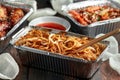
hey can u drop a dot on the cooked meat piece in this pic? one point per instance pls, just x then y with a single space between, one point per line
4 25
3 13
2 33
16 15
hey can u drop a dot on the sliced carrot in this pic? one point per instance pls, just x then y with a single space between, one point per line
82 21
77 16
73 12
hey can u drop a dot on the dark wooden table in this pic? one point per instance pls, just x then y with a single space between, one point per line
27 73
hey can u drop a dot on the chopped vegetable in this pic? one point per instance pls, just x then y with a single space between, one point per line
91 14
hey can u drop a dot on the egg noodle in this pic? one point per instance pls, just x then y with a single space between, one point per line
60 43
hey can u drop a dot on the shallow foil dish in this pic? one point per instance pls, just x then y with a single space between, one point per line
54 62
28 11
95 28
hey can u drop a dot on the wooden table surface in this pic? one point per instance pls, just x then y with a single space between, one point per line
27 73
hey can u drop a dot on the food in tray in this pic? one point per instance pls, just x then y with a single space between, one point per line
52 25
8 18
60 43
91 14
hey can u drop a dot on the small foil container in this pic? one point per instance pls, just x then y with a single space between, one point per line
54 62
4 41
95 28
